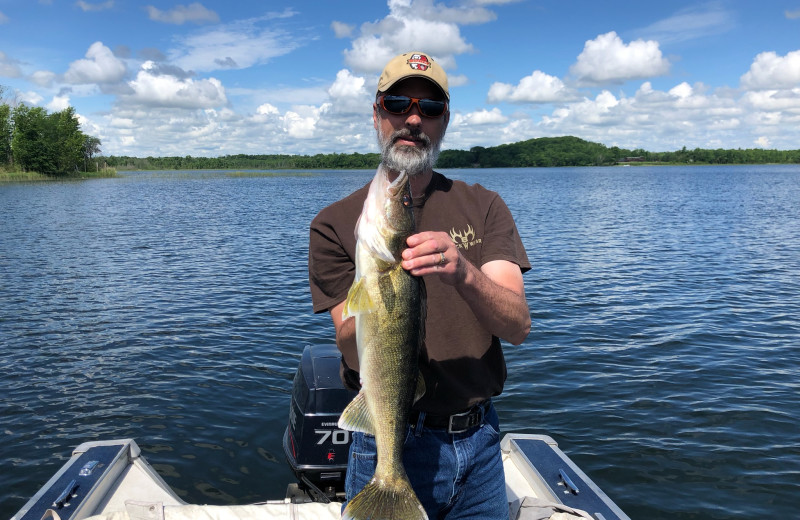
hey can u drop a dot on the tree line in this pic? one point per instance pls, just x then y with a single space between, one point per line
573 151
31 139
540 152
333 161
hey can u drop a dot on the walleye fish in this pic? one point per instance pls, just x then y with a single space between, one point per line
389 306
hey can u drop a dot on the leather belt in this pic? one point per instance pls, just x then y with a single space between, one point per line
456 423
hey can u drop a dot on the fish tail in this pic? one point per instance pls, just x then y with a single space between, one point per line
381 500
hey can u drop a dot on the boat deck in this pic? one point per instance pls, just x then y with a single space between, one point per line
110 480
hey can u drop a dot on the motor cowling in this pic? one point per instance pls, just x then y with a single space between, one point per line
315 447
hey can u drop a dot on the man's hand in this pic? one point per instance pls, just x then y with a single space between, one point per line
495 292
433 252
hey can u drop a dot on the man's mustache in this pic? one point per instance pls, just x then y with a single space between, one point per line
405 133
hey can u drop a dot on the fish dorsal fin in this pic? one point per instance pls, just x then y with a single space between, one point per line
356 417
358 300
420 388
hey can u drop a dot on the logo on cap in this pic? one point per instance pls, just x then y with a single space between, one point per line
419 62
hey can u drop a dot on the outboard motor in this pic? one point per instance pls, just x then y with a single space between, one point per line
315 447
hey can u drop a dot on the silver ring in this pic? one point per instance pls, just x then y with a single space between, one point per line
442 259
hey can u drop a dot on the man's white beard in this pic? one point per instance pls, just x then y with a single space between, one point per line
413 159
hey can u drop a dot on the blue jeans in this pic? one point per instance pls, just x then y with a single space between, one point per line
455 476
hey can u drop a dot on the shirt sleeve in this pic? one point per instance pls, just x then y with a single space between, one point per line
331 269
501 239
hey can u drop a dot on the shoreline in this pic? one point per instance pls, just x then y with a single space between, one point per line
41 177
110 173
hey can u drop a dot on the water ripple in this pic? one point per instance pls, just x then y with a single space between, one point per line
173 308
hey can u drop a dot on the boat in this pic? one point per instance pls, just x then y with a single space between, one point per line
112 480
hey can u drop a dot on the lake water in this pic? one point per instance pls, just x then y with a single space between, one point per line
172 307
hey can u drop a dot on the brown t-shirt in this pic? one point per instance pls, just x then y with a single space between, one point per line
462 364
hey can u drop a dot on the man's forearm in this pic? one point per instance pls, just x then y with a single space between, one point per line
501 310
345 336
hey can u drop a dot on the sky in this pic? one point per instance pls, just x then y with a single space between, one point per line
213 78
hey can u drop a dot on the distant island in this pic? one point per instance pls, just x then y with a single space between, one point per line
540 152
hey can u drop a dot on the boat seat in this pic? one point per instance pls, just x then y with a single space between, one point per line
277 510
532 508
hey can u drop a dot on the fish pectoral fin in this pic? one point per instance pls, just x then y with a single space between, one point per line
356 417
358 300
420 387
371 238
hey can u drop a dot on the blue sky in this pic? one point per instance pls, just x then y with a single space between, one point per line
212 78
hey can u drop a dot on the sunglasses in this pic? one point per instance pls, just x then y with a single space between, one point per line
401 104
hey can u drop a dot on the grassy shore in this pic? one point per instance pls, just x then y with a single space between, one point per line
35 177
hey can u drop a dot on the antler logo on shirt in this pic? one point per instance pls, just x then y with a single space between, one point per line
464 239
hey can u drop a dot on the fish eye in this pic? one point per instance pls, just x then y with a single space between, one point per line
406 200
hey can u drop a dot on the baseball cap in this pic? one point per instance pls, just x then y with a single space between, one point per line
412 65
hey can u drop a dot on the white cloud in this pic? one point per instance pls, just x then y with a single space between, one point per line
683 90
693 22
457 80
481 117
536 88
86 6
434 29
468 13
237 45
100 66
43 78
494 2
122 123
180 14
347 85
598 111
3 18
302 124
9 67
792 15
58 103
29 98
348 94
164 90
342 30
765 120
368 53
774 100
684 115
267 110
607 59
88 126
770 71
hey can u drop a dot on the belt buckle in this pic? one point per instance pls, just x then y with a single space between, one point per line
474 417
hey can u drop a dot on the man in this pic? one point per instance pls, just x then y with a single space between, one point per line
470 254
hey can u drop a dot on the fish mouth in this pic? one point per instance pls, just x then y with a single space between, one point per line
397 185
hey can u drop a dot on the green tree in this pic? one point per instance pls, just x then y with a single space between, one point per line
5 130
52 144
31 145
67 140
91 147
5 134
